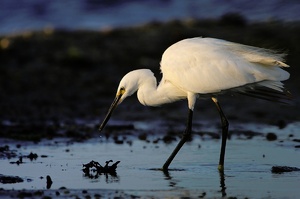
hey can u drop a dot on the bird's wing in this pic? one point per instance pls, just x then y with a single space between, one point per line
206 65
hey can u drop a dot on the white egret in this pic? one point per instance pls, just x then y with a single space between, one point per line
197 67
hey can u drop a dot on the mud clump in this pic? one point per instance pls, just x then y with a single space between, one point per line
4 179
283 169
48 182
271 136
31 157
93 169
6 152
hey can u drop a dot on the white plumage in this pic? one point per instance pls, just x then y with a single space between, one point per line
206 67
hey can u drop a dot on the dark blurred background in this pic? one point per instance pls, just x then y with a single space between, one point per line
27 15
61 61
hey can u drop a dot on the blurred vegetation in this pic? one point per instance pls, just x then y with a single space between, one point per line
55 75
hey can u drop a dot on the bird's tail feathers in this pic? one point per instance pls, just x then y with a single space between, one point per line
275 85
268 90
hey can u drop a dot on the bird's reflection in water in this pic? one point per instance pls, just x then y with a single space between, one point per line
222 183
174 183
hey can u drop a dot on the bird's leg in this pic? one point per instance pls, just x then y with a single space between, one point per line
225 125
186 135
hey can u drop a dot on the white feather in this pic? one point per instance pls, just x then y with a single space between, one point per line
206 65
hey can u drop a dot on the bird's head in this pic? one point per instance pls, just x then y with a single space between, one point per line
127 86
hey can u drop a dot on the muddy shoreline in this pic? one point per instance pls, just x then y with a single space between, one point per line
50 77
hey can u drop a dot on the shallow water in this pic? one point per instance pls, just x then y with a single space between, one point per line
193 172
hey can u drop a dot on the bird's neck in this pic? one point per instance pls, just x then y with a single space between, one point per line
149 94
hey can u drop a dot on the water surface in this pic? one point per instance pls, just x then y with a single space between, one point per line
193 172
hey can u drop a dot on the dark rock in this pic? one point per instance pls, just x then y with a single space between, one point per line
271 136
282 169
10 179
48 182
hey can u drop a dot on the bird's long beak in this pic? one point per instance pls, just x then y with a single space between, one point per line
110 110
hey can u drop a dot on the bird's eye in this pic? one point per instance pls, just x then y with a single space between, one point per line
122 90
